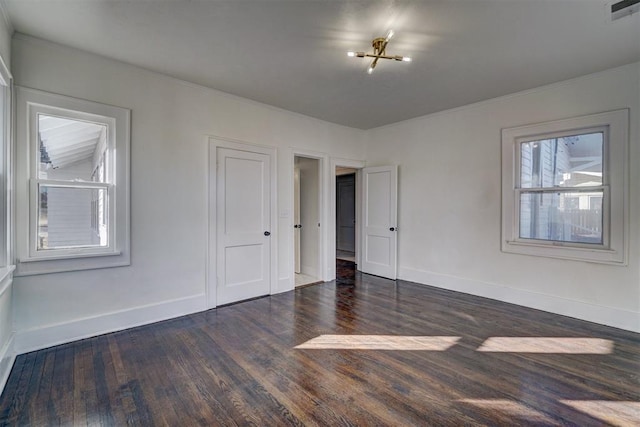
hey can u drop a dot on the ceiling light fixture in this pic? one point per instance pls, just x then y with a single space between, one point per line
379 52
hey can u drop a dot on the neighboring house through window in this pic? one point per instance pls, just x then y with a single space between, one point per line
564 187
74 156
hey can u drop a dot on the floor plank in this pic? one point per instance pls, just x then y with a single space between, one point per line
239 365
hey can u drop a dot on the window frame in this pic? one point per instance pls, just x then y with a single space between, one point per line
31 260
63 252
6 172
614 187
604 187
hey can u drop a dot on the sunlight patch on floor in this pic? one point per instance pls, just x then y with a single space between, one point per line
613 412
559 345
379 342
512 409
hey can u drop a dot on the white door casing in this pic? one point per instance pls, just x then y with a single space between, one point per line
379 221
243 225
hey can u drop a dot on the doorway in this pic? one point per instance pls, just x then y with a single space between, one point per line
307 220
346 214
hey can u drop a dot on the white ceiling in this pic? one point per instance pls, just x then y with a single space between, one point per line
292 54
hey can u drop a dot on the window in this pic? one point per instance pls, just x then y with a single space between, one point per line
560 178
73 160
564 187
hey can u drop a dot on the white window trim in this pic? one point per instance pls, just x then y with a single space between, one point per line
615 184
6 175
30 103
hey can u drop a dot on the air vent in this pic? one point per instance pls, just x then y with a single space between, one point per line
624 8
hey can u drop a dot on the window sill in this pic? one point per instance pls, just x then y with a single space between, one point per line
67 263
70 256
585 254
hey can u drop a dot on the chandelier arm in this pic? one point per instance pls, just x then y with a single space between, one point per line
371 55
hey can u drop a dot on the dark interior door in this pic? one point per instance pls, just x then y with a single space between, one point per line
346 212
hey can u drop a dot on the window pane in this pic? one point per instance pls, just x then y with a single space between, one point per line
564 217
72 217
71 149
569 161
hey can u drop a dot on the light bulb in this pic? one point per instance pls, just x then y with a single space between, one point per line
389 35
370 70
351 54
406 59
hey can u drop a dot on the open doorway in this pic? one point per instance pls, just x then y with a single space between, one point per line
307 214
346 214
345 255
345 183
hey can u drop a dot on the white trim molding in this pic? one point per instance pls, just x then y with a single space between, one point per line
7 359
609 316
7 353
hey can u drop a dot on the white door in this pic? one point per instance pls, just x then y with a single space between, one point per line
243 225
379 216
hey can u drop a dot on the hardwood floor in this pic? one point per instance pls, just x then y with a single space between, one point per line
455 359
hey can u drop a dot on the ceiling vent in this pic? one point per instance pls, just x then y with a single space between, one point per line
624 8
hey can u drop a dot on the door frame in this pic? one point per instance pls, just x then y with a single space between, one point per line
323 165
211 278
331 223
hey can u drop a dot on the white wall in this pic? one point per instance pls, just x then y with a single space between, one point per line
6 30
449 202
170 120
309 215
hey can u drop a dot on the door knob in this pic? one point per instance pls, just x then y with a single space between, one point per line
266 233
392 229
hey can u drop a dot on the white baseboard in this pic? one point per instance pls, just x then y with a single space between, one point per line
48 336
7 357
618 318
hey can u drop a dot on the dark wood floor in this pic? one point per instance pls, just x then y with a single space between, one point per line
238 365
